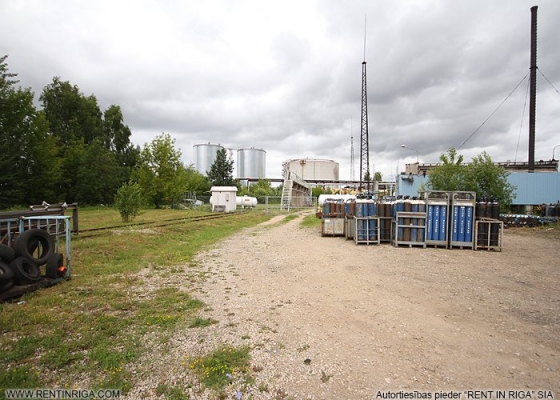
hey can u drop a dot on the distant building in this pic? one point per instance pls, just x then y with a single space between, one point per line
540 166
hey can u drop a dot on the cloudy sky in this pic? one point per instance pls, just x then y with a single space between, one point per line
285 76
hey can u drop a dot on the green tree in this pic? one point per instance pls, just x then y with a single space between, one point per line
72 117
160 172
317 191
128 201
221 171
262 188
450 176
489 180
116 135
97 177
27 169
44 168
196 182
481 176
378 177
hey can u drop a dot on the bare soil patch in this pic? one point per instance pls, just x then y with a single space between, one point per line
327 319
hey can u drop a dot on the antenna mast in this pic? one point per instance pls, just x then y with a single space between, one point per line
352 172
364 150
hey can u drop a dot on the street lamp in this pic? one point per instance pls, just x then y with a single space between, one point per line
404 146
558 145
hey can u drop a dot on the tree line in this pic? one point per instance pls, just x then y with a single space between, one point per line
70 150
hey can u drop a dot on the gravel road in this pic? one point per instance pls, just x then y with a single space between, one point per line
327 319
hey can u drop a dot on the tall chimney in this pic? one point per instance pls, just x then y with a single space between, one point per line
533 89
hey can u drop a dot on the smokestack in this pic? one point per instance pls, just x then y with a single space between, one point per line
533 89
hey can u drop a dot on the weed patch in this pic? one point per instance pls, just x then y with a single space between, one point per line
218 368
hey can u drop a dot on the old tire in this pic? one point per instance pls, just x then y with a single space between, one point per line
54 261
34 244
7 254
6 273
5 286
25 271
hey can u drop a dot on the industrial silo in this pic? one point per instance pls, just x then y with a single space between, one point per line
205 156
251 163
313 169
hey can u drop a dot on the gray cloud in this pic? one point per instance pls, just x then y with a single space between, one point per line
286 76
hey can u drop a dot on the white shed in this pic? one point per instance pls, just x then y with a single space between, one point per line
223 198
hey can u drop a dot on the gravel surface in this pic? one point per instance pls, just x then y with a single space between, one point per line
326 319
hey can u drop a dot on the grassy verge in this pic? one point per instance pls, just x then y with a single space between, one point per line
90 328
311 221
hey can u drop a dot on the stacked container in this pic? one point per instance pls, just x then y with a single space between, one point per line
367 222
332 223
409 223
349 221
384 213
437 219
462 219
488 227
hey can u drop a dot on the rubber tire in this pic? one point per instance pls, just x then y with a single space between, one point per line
6 273
28 242
7 254
25 271
55 260
6 286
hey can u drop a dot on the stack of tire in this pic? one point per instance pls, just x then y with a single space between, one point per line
21 264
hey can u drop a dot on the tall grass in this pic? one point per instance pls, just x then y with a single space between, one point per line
88 329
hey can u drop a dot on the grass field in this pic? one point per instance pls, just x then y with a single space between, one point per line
86 330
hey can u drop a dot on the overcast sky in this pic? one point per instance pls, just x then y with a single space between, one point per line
286 76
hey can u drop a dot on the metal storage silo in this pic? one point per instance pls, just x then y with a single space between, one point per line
251 163
205 156
314 169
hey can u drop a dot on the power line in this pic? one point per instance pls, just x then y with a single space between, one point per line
521 124
493 112
538 69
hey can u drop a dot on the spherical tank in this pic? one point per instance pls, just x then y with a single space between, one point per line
205 156
251 163
314 169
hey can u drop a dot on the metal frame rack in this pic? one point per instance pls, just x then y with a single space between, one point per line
385 228
349 227
367 230
490 238
461 232
437 220
413 222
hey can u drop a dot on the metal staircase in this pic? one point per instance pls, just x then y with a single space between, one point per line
287 193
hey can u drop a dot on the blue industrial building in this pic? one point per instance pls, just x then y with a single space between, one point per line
531 188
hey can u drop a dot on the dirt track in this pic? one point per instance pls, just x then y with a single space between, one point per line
376 318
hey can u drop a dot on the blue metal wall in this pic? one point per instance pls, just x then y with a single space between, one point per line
532 189
536 188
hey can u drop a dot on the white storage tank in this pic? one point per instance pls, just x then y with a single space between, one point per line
251 163
204 156
246 201
313 169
